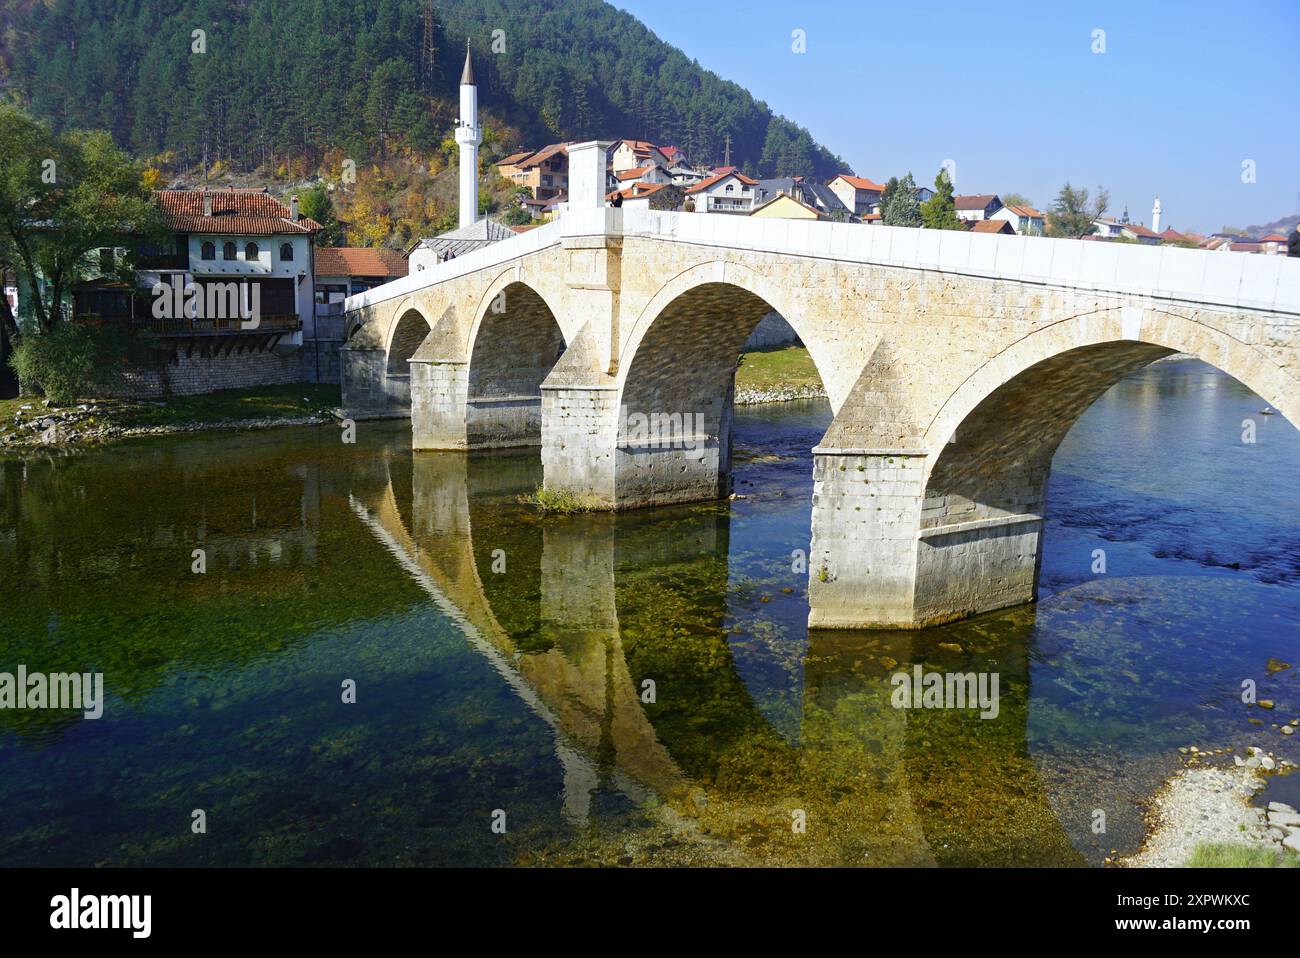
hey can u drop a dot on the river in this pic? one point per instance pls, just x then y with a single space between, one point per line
635 689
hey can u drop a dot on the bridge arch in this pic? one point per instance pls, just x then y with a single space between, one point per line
1116 331
405 337
990 446
514 343
745 279
677 384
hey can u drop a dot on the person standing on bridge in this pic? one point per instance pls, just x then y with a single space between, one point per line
1293 242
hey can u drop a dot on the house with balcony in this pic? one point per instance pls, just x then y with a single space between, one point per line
230 296
732 192
544 173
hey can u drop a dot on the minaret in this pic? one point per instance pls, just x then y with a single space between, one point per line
1155 216
468 136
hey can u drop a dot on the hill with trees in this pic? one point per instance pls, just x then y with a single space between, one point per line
252 84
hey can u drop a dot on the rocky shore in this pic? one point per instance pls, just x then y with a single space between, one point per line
751 397
1211 805
38 425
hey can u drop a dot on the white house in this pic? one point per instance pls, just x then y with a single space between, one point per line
1023 219
858 194
246 236
977 206
732 192
633 154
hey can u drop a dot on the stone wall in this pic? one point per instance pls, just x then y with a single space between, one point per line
195 374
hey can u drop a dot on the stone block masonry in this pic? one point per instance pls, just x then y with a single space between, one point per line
193 375
954 363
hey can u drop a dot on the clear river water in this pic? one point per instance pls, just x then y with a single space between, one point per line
636 689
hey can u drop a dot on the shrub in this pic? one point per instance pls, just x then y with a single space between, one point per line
75 361
563 502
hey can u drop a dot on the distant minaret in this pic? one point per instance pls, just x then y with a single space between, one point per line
468 136
1155 216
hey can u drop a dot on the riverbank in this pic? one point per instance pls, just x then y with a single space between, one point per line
1204 816
29 421
777 375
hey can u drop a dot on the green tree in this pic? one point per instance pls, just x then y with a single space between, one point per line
904 209
61 196
938 212
1015 199
1074 211
316 204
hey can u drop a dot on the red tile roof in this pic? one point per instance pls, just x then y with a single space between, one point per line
531 158
636 190
234 212
975 201
360 261
992 226
1274 238
718 177
633 174
860 183
1138 230
1028 211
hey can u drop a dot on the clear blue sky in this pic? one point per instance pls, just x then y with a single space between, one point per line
1012 92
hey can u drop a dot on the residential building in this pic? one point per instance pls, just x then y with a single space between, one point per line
1274 244
1138 232
785 206
976 206
244 236
643 174
426 253
857 194
1023 219
724 193
544 172
655 196
821 198
633 154
994 226
342 271
1106 228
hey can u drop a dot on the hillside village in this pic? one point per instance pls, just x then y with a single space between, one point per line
271 255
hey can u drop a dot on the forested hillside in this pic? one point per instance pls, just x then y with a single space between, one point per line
277 77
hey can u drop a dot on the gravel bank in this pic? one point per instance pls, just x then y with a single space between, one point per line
1211 805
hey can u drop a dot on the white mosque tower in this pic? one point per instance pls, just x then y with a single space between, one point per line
1155 216
469 137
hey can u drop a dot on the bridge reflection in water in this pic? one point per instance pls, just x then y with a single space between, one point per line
590 609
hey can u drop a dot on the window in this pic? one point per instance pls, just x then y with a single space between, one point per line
286 252
730 188
250 251
228 251
208 251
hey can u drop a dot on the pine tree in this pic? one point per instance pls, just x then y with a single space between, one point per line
904 208
938 212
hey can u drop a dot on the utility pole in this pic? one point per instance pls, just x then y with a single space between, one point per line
726 154
428 47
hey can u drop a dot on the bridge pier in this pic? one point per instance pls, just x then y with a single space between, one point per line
889 553
369 391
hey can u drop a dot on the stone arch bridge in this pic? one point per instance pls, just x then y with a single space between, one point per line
955 363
